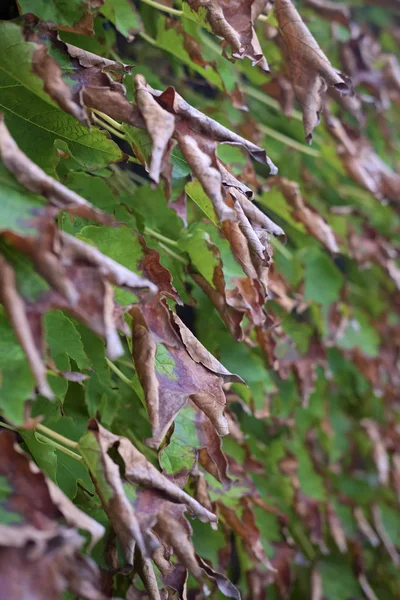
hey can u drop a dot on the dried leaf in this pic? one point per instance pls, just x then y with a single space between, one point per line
234 21
39 556
309 68
310 218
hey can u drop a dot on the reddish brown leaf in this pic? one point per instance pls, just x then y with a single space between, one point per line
309 68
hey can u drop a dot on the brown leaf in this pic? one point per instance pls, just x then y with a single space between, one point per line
365 527
186 371
92 84
35 180
223 583
281 89
245 527
234 21
154 513
310 218
316 585
197 136
38 555
381 457
372 248
336 528
159 124
364 165
309 68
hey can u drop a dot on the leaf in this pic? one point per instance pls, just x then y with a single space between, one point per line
323 281
133 511
74 16
364 165
123 15
16 378
176 37
312 221
66 282
197 136
34 507
309 68
233 21
194 439
192 372
36 123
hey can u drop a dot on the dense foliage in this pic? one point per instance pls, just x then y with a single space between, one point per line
199 341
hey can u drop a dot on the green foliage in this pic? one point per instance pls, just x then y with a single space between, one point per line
135 298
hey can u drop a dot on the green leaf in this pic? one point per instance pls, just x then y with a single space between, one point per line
36 124
197 194
122 14
323 281
63 338
71 14
122 245
16 379
18 206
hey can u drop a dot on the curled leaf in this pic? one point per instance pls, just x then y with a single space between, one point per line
309 68
234 21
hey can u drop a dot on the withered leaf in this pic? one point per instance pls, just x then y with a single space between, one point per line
309 68
310 218
234 21
174 367
81 79
364 165
197 136
79 277
143 505
39 556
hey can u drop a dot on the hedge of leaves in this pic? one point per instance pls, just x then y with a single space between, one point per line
199 319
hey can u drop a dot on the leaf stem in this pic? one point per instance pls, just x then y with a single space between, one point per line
119 373
108 127
125 363
133 159
7 426
160 237
173 254
48 440
167 9
281 137
63 449
109 119
148 38
57 436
